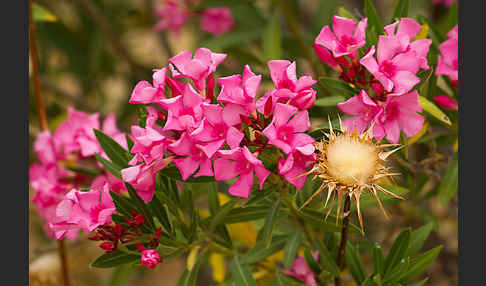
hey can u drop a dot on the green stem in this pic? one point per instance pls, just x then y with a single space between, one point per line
344 238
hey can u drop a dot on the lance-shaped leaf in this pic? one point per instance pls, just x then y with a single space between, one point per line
354 263
401 10
338 87
116 258
420 263
266 232
241 273
433 110
113 150
398 250
272 39
449 184
418 237
260 252
291 247
113 168
189 277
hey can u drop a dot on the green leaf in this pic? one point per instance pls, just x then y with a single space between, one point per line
418 237
367 200
266 232
401 10
398 250
396 272
291 247
242 214
108 260
374 27
109 166
325 258
345 13
316 219
219 217
260 251
41 14
377 256
332 100
173 173
160 213
311 262
354 263
189 277
282 279
113 150
233 38
419 283
420 263
337 87
241 273
123 204
272 39
449 184
121 274
433 110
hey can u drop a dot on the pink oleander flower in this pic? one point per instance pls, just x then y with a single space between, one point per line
142 177
218 123
173 16
446 102
198 69
76 133
405 30
240 91
150 258
198 156
217 21
292 167
107 180
448 61
347 38
241 163
288 89
146 93
184 112
398 58
149 143
83 210
300 270
49 190
46 150
389 117
285 132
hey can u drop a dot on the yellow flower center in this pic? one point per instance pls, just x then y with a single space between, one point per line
351 161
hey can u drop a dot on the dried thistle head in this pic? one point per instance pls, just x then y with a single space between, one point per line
348 164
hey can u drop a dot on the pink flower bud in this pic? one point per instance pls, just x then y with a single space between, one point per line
150 258
446 102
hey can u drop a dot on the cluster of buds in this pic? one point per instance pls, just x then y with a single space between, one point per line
114 234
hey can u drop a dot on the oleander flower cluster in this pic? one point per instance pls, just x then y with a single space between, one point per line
224 135
386 74
175 13
54 179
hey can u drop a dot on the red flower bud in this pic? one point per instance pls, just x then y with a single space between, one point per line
139 219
